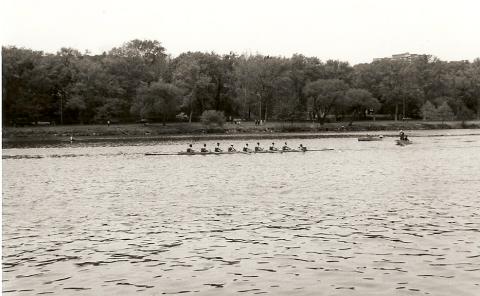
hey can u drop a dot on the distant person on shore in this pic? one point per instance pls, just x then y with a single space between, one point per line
204 148
108 122
218 149
190 149
273 148
258 148
285 147
302 148
231 149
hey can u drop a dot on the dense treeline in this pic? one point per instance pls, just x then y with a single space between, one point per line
139 80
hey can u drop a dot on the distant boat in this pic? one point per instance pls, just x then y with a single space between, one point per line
403 142
370 138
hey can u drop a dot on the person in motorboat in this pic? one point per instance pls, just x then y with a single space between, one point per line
204 148
285 147
246 149
273 148
302 148
231 149
190 149
258 148
218 149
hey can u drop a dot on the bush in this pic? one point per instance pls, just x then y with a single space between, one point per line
212 117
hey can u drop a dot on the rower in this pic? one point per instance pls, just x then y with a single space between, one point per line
273 148
231 149
246 149
302 148
402 135
285 147
218 149
190 149
204 148
258 148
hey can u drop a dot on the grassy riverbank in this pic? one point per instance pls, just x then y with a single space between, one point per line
171 129
197 130
157 129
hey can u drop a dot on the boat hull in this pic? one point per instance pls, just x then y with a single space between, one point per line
368 139
403 142
236 152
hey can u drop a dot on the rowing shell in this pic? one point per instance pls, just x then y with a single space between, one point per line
235 152
196 153
370 138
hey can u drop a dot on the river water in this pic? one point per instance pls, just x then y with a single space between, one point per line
368 218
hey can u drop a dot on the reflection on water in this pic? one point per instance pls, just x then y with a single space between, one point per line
369 218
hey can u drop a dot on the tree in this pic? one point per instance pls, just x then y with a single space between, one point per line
190 77
359 100
246 72
159 98
210 117
302 70
71 87
287 105
445 112
325 94
28 85
133 64
428 111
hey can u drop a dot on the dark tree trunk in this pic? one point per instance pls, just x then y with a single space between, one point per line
353 117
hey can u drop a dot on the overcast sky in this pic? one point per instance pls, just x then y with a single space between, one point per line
350 30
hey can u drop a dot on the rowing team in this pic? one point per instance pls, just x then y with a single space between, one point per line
246 148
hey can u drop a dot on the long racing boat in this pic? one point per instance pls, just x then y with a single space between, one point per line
233 152
369 138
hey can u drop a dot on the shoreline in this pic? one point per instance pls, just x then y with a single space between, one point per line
14 136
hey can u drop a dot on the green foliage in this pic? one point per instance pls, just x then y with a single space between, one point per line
212 117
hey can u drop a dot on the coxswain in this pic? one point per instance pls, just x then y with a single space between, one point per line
204 148
302 148
218 149
190 149
246 149
273 148
285 147
231 149
258 148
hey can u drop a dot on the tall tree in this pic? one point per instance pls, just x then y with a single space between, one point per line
358 101
156 99
325 94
